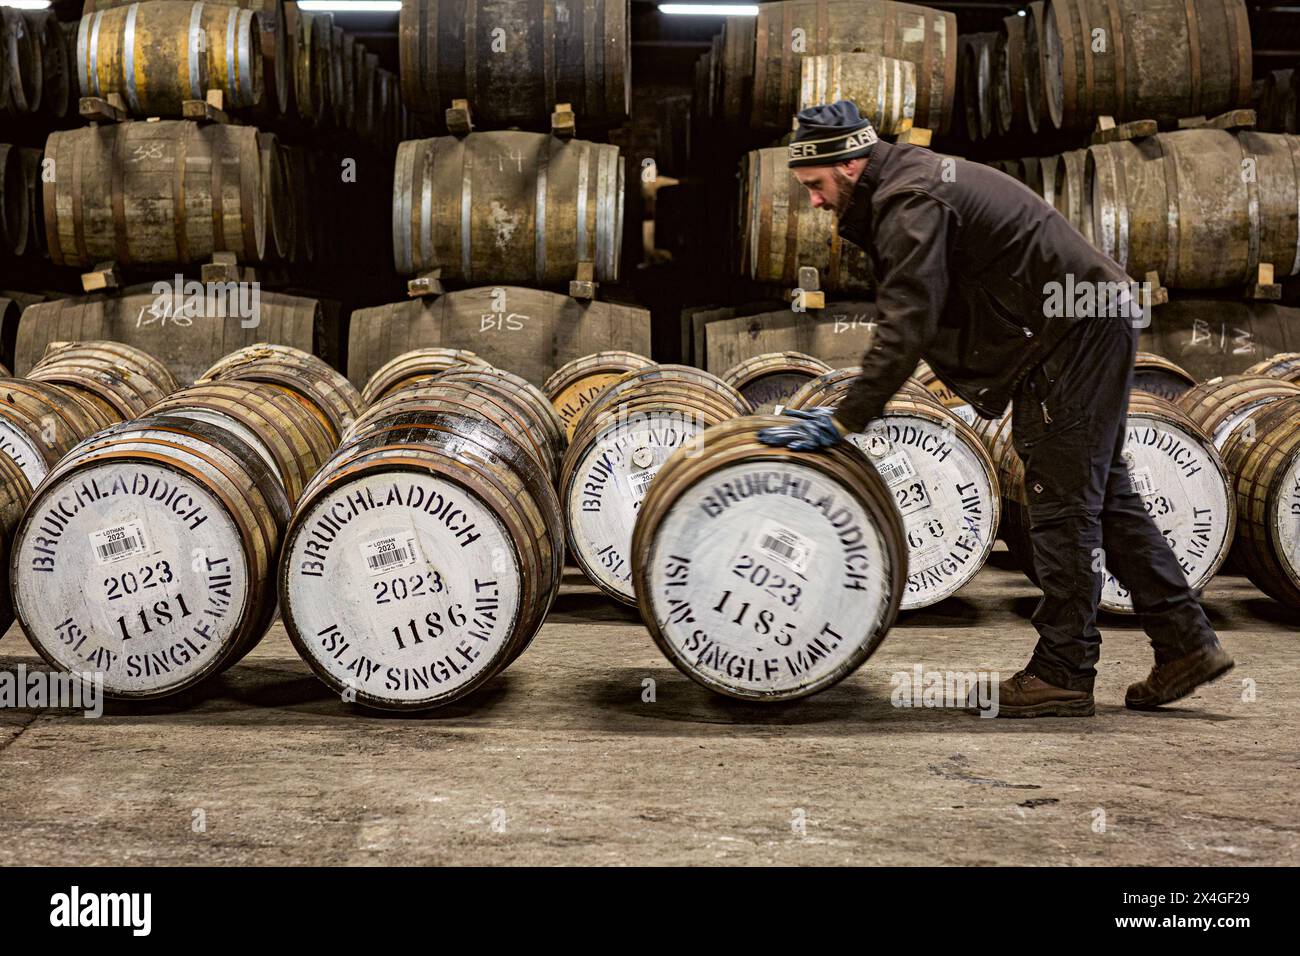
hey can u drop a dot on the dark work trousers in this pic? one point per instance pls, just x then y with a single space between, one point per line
1068 425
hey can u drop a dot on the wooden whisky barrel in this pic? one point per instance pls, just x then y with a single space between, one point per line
415 365
40 422
1264 461
1009 77
529 331
521 390
515 62
925 37
781 230
577 383
422 560
975 70
765 574
1213 337
1181 479
1072 194
15 493
1202 207
883 87
14 210
20 63
943 481
137 605
1160 376
829 389
154 193
772 379
1161 59
330 396
158 54
507 207
1222 404
280 428
615 453
1284 365
124 378
187 330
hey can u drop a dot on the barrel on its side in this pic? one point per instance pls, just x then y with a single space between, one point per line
40 422
772 379
883 87
507 207
123 379
529 331
1221 405
414 366
577 383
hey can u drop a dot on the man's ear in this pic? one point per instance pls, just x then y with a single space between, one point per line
853 167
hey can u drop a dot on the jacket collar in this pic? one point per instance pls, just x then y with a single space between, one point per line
855 221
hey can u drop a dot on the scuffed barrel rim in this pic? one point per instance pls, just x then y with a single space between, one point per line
237 641
838 463
363 468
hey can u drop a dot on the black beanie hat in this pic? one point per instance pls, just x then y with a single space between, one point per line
831 134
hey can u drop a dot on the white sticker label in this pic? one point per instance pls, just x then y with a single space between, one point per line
113 544
897 467
1143 482
638 482
389 553
788 547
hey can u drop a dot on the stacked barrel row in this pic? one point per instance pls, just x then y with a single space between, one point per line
1065 63
36 52
275 65
148 550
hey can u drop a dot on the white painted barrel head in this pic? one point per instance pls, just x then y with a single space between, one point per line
401 589
609 482
1186 491
132 569
16 445
944 487
768 580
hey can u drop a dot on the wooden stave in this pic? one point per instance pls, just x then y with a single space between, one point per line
520 258
239 482
1079 85
735 441
333 397
70 243
416 364
1009 76
1258 467
294 437
526 392
128 378
594 80
1217 402
975 63
1283 365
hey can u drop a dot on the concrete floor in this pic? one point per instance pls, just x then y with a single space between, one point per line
560 762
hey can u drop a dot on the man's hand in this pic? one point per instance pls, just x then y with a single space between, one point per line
815 428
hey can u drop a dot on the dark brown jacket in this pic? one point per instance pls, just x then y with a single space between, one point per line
961 255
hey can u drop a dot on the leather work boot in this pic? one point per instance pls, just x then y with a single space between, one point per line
1025 694
1171 680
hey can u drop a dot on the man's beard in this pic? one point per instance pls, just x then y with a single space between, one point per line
844 190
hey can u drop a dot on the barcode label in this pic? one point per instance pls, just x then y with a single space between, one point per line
122 541
788 547
638 482
1143 483
897 467
389 554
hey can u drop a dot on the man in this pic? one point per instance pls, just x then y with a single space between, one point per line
962 257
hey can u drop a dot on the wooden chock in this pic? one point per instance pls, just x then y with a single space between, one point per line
1158 294
916 136
224 267
563 122
584 284
210 110
809 295
96 109
426 285
459 120
1233 119
103 277
1264 288
1108 132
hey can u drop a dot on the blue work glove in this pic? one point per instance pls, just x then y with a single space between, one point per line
814 429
